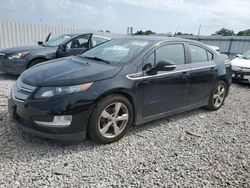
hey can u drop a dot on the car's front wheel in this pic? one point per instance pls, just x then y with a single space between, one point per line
218 96
111 119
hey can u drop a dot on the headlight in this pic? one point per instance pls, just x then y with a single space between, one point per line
17 55
46 92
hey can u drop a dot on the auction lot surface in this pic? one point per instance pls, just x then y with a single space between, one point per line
193 149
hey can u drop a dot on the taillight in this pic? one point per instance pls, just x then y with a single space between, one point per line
227 62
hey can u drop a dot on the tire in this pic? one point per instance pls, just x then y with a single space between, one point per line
218 94
104 126
35 61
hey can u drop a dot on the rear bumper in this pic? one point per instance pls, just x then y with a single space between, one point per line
14 66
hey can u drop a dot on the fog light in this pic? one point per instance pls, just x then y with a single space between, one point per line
59 121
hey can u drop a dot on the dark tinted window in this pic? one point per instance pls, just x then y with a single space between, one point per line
171 52
198 54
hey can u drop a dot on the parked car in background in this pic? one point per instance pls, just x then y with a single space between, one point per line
116 84
16 60
241 67
216 48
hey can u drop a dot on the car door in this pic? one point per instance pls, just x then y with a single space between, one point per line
203 73
165 90
76 46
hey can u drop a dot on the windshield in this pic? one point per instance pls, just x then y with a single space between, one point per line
57 40
246 55
117 50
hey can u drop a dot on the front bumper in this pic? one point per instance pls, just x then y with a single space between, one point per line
242 76
14 66
36 110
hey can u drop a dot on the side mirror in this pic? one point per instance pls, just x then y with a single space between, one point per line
239 55
62 47
40 42
165 65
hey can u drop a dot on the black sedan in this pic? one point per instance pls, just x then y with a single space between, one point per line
16 60
117 84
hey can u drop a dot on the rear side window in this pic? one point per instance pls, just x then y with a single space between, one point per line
198 54
171 52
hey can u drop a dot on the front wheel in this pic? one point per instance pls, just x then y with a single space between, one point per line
217 96
111 119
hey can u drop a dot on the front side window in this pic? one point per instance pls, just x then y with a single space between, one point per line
118 51
79 42
198 54
173 53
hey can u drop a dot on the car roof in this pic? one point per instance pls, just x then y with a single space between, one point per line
160 38
78 34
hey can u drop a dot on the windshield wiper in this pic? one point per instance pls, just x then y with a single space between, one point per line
97 59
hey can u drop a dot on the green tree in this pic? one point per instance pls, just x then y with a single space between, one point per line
244 33
148 32
180 33
225 32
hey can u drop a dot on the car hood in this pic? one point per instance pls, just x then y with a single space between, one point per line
20 49
240 62
68 71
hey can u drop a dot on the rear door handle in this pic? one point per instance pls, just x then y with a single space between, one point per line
212 68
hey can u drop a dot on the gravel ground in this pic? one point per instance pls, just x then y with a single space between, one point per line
193 149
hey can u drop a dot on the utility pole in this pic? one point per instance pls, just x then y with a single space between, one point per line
176 30
199 30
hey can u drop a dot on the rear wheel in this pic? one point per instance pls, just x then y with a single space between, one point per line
35 61
111 119
218 96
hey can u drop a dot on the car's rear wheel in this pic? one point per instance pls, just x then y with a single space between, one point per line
218 96
111 119
35 61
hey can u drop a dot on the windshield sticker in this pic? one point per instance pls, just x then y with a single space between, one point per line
138 43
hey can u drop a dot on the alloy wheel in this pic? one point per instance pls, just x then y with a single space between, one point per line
219 95
113 120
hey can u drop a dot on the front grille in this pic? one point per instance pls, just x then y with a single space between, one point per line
22 91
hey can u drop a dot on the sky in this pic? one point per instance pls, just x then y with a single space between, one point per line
161 16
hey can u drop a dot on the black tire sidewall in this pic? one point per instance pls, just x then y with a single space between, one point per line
93 129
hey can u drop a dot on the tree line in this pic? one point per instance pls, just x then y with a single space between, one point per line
222 32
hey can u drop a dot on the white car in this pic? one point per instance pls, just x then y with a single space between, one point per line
216 48
241 67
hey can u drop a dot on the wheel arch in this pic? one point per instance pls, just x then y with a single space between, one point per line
224 79
36 58
123 92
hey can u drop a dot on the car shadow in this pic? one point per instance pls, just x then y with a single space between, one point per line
166 120
5 76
